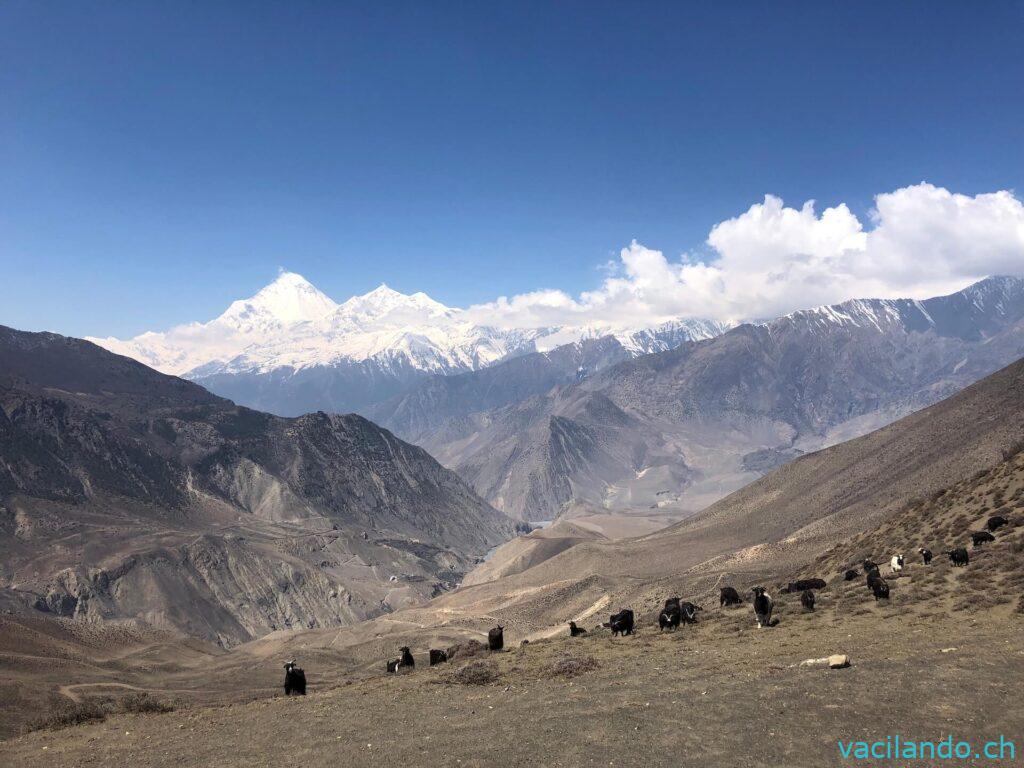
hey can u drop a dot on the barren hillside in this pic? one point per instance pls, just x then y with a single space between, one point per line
127 494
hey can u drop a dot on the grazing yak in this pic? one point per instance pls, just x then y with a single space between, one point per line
981 537
689 612
669 619
851 574
763 607
575 631
496 638
294 679
878 586
807 600
926 555
958 557
405 660
880 589
671 615
996 522
621 623
729 597
802 584
896 564
438 657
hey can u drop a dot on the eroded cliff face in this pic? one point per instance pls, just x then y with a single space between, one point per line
126 494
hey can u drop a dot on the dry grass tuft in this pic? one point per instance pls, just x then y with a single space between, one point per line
143 703
66 715
466 650
570 666
479 672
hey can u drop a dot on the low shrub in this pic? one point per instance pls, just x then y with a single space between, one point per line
68 714
570 666
479 672
467 649
142 703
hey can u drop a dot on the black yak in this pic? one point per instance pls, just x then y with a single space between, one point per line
671 615
496 638
996 522
807 600
802 584
763 607
669 619
729 597
958 557
621 622
981 537
294 679
689 612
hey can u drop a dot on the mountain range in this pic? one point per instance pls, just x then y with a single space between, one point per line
127 494
666 420
677 430
291 349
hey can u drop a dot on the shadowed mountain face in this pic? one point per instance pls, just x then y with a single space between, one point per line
683 428
125 493
442 405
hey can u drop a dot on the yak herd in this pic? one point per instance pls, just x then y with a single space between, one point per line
677 612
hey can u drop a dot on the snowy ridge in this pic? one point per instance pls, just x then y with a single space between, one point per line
291 325
878 313
966 310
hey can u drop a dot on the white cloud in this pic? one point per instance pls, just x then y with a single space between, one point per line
922 241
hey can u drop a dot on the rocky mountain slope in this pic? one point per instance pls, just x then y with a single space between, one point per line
290 349
682 428
129 494
445 406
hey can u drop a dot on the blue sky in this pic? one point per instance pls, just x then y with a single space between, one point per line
160 159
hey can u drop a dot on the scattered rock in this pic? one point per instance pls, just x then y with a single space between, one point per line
836 661
814 662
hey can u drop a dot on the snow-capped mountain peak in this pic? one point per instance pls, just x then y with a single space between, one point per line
289 299
384 302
